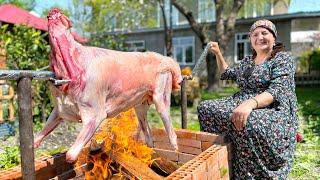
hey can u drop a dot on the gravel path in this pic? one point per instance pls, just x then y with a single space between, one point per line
63 136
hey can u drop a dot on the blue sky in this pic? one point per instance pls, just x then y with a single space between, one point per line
42 5
304 5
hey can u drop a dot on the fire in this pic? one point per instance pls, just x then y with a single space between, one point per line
115 136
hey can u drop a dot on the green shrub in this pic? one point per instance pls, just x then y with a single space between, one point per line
310 60
27 49
10 157
315 59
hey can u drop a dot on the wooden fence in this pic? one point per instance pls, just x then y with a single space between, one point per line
304 80
6 102
307 80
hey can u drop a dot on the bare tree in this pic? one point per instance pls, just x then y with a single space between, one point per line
225 25
167 28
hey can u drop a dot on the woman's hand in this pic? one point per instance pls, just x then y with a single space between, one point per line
241 113
214 47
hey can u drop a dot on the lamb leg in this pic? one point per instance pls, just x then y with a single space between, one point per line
141 112
52 122
161 99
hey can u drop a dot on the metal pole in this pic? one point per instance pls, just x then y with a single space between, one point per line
183 104
25 129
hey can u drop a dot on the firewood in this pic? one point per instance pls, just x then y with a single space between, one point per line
134 166
162 165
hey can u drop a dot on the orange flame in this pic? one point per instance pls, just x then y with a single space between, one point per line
117 136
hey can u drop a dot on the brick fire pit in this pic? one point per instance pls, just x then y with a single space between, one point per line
202 156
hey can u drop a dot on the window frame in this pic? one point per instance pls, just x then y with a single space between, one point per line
136 41
246 44
206 12
175 14
184 47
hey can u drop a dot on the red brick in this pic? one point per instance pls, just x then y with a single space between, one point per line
186 134
213 173
223 162
205 145
160 138
183 157
177 175
158 132
170 155
14 173
189 150
198 170
189 142
212 160
204 136
163 145
40 164
223 153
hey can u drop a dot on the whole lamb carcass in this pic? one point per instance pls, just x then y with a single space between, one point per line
104 83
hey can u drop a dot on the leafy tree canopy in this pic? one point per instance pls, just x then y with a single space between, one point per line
28 5
27 49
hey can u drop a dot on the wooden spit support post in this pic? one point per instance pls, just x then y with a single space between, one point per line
24 78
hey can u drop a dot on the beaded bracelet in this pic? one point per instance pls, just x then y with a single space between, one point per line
256 101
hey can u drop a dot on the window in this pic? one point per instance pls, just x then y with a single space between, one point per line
255 8
206 11
242 46
184 50
138 45
175 14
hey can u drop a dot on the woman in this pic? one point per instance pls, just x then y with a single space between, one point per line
261 119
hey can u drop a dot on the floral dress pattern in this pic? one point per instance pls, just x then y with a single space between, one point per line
265 148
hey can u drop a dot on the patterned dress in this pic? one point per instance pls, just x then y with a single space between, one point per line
265 148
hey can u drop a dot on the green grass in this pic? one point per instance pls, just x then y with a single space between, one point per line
307 158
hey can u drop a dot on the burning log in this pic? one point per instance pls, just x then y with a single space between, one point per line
162 165
135 166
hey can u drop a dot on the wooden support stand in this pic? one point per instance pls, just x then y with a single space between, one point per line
24 78
25 128
184 104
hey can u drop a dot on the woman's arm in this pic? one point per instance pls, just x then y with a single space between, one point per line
241 113
222 65
262 100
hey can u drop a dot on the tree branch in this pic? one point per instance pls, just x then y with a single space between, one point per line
231 21
195 26
219 20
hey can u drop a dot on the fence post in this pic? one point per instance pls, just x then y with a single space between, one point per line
183 104
25 129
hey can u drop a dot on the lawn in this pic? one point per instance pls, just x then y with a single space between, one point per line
307 158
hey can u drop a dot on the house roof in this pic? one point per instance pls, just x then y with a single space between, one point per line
14 15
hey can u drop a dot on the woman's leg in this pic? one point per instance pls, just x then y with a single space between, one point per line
265 147
214 115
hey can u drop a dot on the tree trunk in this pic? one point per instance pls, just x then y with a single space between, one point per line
213 75
167 31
